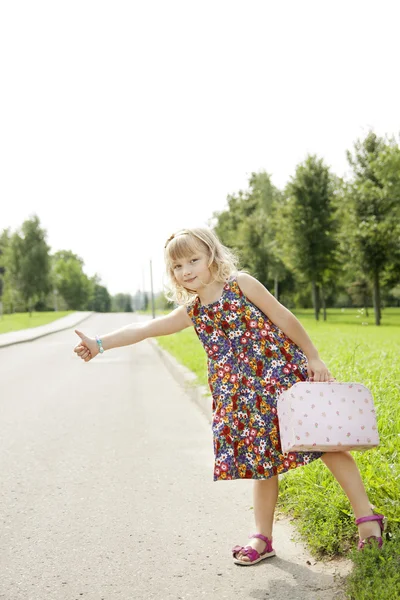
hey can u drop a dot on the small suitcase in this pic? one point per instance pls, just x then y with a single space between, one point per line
327 417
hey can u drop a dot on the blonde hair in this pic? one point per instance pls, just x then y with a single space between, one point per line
221 261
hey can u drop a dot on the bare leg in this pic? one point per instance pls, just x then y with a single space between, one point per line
344 468
265 495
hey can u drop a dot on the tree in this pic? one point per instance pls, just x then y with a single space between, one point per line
101 300
162 303
145 301
309 226
70 280
30 261
122 303
4 243
2 271
373 199
248 226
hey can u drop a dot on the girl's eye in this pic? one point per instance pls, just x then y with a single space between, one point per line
176 267
194 260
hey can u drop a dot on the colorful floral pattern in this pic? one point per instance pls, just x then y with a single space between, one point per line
250 361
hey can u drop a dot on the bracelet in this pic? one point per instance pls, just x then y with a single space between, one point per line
100 345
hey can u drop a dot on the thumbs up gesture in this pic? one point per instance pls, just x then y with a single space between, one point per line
87 348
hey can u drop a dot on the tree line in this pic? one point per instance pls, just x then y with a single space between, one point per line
322 240
31 278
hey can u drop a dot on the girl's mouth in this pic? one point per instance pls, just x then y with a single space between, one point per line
190 280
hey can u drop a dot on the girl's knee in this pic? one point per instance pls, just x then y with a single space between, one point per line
266 482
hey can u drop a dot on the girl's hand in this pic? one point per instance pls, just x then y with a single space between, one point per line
318 371
87 347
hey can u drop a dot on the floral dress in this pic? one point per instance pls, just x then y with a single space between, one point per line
250 362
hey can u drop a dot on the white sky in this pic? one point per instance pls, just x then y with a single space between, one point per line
121 122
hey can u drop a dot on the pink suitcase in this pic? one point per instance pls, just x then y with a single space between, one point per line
327 417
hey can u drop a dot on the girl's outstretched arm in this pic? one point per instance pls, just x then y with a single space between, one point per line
286 321
175 321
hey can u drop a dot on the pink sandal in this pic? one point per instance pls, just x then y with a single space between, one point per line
254 556
374 517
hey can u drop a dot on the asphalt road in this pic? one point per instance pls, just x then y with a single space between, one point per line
106 488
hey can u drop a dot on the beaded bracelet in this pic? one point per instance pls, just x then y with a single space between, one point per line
100 345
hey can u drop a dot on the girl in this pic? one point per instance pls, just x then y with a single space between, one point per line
256 349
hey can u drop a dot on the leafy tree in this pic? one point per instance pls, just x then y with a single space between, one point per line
70 280
249 225
161 302
11 298
4 243
122 303
373 199
2 271
309 227
145 300
101 300
128 303
30 261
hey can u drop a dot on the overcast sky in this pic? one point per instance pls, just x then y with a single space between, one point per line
121 122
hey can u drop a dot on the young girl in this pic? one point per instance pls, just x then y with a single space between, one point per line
256 349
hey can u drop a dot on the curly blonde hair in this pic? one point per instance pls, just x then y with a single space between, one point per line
222 262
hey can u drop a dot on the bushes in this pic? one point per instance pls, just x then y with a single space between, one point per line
376 573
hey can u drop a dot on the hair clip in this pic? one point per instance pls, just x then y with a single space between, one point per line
182 232
168 240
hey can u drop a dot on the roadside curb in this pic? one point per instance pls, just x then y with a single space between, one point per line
199 394
29 335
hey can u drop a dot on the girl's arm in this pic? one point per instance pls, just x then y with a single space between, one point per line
286 321
175 321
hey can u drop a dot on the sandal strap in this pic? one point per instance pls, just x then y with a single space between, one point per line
376 517
251 553
268 542
247 551
260 536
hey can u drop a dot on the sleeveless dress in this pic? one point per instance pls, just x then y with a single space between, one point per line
250 361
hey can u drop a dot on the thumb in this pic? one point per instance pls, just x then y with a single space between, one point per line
81 335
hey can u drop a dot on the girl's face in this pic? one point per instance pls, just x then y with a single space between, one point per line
192 271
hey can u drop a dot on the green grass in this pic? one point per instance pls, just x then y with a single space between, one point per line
376 574
17 321
390 317
353 352
186 348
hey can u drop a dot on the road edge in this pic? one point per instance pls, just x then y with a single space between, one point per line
45 333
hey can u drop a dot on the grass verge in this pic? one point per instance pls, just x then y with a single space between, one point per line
18 321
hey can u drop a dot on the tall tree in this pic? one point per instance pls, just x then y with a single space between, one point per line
70 280
101 299
30 261
121 303
2 273
309 226
373 198
10 295
248 226
4 245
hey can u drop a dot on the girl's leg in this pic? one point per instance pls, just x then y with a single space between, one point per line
265 495
344 468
